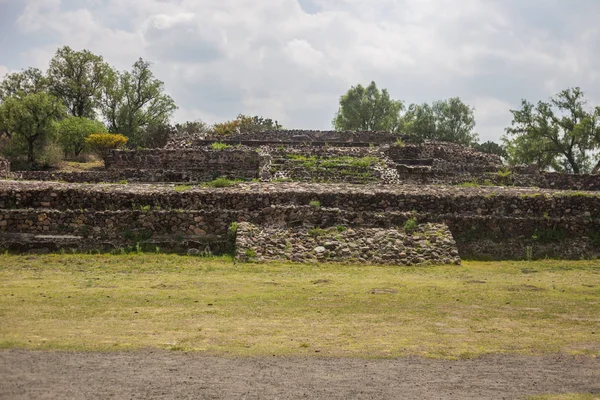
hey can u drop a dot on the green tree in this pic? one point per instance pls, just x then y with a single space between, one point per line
446 120
244 124
32 119
190 128
368 109
134 101
28 81
491 148
73 131
78 78
559 134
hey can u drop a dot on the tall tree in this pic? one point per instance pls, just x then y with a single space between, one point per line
31 118
28 81
560 134
77 78
134 101
368 109
447 120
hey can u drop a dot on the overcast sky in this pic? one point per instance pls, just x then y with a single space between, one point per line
291 60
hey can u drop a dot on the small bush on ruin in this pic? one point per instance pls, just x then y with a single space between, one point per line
102 143
221 182
411 225
315 204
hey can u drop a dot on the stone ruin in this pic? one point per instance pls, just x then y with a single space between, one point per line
306 196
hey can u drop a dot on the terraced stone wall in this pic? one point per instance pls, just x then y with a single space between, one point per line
445 157
307 136
207 162
485 222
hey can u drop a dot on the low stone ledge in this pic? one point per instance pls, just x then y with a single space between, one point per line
427 244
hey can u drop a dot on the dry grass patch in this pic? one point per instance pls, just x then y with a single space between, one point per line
104 302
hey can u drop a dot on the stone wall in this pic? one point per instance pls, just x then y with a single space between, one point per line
485 222
307 136
426 244
444 157
237 163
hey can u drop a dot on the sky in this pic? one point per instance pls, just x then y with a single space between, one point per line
291 60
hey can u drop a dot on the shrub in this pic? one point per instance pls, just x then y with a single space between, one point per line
51 155
102 143
410 225
221 182
220 146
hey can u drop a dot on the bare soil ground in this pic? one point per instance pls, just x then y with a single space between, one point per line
153 374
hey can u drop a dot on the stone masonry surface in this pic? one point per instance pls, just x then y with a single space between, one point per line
495 222
427 244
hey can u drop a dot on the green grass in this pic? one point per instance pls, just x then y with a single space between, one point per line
220 146
182 188
110 302
222 182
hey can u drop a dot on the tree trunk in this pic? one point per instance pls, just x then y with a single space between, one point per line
30 154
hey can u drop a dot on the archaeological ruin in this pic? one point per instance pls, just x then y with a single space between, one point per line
306 196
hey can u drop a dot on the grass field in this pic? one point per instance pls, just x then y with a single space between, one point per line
117 302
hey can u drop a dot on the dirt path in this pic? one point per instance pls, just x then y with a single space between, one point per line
168 375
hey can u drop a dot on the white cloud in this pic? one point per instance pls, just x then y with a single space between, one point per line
292 59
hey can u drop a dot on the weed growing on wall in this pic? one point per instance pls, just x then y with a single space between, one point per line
220 146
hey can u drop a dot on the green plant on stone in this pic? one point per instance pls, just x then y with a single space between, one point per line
341 228
400 143
315 232
469 184
411 225
250 253
222 182
233 227
315 204
182 188
504 173
220 146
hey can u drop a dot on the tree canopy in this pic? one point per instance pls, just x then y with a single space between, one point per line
78 77
73 131
446 120
133 101
559 134
368 109
31 119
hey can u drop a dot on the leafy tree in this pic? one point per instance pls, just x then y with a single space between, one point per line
190 128
558 134
28 81
102 143
135 100
446 120
156 135
32 119
73 131
244 123
78 77
491 148
368 109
